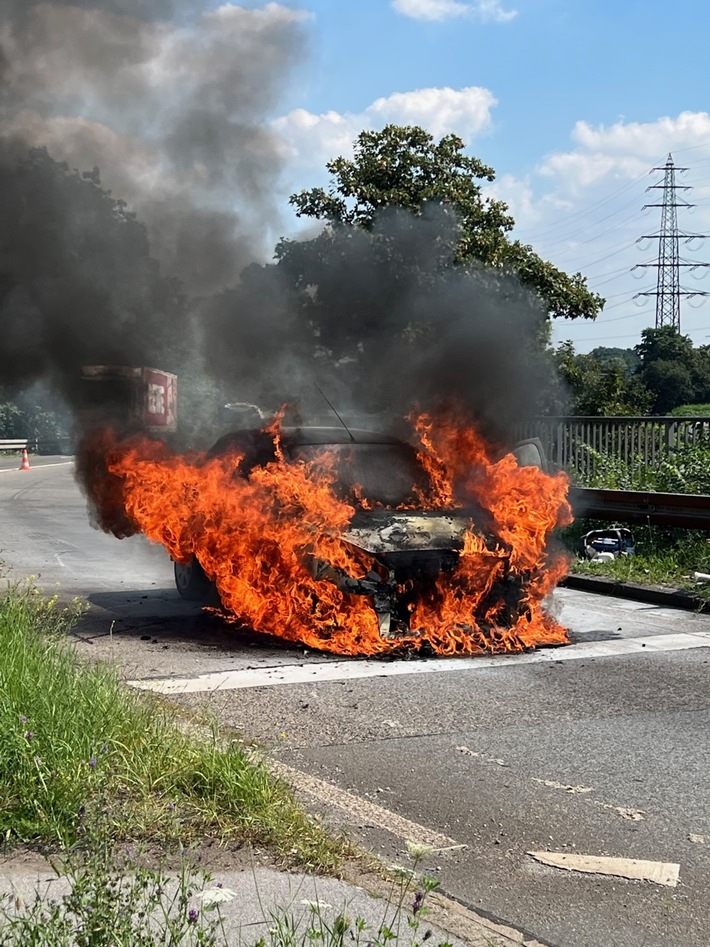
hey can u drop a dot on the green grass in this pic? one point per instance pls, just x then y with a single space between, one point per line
75 738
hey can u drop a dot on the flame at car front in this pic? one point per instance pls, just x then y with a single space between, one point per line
464 568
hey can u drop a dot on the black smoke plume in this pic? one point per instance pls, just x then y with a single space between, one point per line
152 252
163 111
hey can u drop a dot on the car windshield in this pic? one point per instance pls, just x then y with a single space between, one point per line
387 473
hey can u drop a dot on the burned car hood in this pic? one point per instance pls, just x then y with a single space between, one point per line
381 532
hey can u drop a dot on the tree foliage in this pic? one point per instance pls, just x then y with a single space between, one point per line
601 384
404 167
672 370
661 373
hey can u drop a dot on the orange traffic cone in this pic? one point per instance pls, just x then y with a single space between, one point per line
25 465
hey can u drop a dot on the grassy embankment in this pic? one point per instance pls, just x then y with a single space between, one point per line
74 739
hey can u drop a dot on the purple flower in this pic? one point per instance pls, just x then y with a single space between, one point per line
92 762
23 719
192 916
418 901
171 807
29 735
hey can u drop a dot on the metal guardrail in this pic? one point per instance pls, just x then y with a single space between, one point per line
13 444
690 511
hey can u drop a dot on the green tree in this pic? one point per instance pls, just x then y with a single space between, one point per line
78 285
601 383
669 368
404 167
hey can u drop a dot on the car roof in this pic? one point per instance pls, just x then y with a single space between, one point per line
336 435
259 443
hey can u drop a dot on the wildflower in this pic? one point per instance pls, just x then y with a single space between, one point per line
92 762
192 916
29 735
104 747
315 905
171 807
23 719
418 901
217 895
418 850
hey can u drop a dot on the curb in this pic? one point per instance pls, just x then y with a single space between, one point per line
652 594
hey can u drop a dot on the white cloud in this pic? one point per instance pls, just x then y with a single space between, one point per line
645 139
583 209
310 140
624 150
485 10
491 10
466 112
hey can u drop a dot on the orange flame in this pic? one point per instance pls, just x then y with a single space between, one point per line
257 535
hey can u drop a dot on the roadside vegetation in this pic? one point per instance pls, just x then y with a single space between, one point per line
110 901
663 556
87 767
76 739
684 469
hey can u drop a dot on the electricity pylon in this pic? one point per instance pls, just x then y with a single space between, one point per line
668 289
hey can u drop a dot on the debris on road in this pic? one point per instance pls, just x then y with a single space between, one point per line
632 815
565 787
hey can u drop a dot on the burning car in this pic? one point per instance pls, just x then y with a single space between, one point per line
409 547
351 542
399 548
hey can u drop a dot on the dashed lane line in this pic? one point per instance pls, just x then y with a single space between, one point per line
327 671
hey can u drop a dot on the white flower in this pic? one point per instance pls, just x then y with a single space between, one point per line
315 905
217 895
418 849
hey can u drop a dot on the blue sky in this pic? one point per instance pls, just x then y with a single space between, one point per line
571 102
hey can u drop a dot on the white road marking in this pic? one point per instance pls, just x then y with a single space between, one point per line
324 671
59 463
365 811
661 873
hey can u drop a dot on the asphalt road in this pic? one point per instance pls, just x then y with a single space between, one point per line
598 748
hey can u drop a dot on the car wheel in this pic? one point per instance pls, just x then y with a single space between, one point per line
191 582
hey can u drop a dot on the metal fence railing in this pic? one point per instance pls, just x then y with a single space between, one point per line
577 443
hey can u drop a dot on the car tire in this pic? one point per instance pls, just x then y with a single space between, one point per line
191 582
